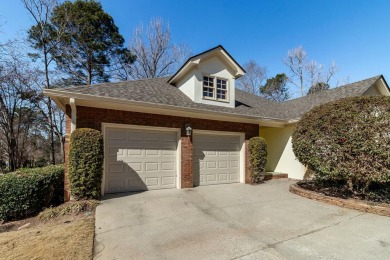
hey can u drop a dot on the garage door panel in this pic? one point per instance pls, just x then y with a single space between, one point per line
168 166
134 166
234 176
216 159
223 177
116 135
116 185
115 168
211 177
141 160
167 181
211 165
151 182
223 164
234 164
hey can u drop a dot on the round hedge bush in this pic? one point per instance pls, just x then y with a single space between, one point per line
347 141
86 163
257 158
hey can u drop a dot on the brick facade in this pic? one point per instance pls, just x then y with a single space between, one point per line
94 117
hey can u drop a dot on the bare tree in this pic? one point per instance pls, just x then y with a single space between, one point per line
16 115
296 61
305 73
44 38
253 79
156 55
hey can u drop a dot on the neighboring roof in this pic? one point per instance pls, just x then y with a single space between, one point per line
158 91
295 108
241 70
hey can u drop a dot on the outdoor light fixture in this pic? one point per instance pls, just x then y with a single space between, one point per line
188 130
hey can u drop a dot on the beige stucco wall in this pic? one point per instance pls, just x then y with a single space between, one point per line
378 89
186 85
192 83
281 157
216 68
372 91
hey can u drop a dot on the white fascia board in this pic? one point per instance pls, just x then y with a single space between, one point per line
58 102
239 72
385 87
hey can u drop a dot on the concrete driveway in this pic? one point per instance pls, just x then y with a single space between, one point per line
235 221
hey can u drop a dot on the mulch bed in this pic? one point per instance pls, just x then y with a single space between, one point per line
343 193
328 195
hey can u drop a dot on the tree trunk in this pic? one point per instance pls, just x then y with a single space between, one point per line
49 110
51 133
12 155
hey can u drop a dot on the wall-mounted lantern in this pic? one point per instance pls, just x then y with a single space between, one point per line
188 130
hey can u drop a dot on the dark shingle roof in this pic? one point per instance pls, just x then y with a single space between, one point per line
158 91
295 108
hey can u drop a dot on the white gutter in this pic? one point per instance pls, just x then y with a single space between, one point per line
72 103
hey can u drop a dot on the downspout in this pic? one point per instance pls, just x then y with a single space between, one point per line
72 103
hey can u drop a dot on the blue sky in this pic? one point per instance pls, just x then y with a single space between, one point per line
353 33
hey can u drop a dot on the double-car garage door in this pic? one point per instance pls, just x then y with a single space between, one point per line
138 160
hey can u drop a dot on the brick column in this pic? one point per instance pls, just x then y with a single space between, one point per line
186 162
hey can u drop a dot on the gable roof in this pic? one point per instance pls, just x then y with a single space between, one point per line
194 60
295 108
158 92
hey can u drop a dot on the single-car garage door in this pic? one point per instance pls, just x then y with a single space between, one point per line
139 160
216 159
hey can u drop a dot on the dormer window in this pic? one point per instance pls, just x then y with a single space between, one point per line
214 88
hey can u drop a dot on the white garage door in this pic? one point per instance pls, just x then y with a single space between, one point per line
139 160
216 159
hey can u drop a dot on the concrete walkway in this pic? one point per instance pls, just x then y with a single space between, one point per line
235 221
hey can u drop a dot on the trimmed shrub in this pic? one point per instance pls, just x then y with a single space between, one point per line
257 158
86 163
27 191
346 141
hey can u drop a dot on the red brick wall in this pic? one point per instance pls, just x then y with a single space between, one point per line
94 117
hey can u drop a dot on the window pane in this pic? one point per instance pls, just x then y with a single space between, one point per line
221 94
208 87
207 81
221 84
224 84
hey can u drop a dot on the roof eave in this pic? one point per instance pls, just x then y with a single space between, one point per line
99 101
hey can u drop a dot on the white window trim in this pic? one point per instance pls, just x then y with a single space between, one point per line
214 98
